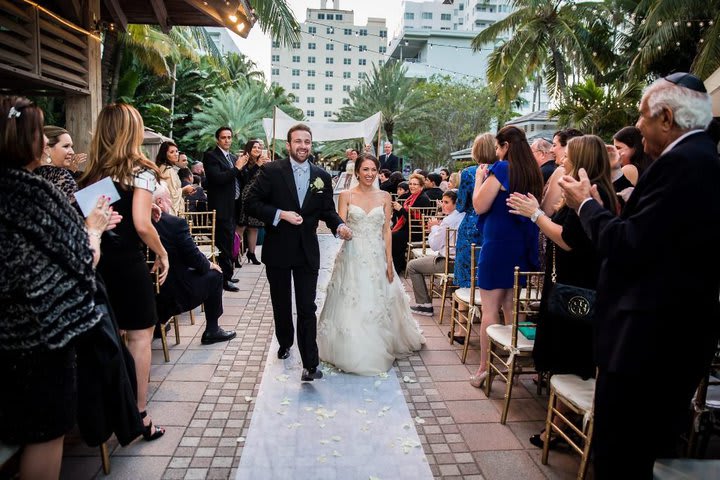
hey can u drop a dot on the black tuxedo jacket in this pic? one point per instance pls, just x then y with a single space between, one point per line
187 265
657 305
392 162
287 245
220 183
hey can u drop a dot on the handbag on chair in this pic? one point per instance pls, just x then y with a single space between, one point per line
570 302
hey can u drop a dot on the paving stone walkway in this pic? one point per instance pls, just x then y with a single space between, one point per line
200 397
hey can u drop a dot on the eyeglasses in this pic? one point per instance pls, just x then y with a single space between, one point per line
687 80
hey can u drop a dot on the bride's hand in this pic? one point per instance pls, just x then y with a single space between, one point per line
390 273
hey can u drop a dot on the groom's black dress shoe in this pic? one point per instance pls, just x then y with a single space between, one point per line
230 287
283 353
219 335
234 280
310 374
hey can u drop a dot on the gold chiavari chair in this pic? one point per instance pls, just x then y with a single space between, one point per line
510 352
442 283
416 229
465 306
202 230
163 322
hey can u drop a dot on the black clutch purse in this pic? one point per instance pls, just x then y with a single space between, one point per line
570 302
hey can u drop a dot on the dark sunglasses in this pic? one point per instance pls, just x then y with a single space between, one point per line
687 80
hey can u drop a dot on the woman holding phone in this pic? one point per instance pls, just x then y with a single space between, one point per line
256 157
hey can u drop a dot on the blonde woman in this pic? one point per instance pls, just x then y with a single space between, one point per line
115 153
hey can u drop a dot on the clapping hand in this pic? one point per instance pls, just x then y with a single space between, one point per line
242 160
575 192
520 204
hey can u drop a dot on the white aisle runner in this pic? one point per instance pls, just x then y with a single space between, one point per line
343 426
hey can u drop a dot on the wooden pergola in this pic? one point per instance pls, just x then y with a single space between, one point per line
53 47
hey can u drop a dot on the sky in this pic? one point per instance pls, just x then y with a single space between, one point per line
257 45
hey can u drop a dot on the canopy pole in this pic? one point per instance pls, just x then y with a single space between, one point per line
378 134
272 149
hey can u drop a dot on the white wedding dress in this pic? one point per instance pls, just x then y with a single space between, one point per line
366 321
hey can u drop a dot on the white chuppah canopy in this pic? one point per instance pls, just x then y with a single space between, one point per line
278 126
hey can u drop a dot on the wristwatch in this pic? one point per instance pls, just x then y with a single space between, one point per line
536 214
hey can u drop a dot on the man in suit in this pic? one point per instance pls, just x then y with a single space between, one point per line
657 311
388 160
193 280
222 169
290 196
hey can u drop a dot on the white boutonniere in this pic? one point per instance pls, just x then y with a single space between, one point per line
317 185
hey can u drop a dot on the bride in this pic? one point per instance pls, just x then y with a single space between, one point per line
366 321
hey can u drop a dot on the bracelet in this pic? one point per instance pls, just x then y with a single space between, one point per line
95 234
536 214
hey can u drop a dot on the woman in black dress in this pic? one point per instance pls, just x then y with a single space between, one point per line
256 158
562 346
115 153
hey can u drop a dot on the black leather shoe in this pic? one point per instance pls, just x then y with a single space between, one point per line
219 335
555 442
234 280
230 287
283 353
310 374
459 339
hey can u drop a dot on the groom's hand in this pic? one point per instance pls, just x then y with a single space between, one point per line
293 218
344 232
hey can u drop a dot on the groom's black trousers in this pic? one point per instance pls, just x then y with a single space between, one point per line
305 280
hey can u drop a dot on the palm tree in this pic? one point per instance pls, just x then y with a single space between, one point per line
417 148
389 91
553 36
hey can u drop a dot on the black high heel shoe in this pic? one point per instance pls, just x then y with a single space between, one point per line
237 263
251 258
555 441
148 433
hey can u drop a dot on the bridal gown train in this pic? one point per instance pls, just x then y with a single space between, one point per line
366 321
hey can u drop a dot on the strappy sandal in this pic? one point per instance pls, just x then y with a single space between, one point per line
148 433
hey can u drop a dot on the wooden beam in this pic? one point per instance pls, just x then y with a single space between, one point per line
117 14
161 14
208 11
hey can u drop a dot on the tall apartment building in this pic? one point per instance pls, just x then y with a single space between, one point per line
332 56
435 37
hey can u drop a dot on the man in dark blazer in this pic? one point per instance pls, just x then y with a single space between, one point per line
657 312
290 196
388 160
222 170
193 280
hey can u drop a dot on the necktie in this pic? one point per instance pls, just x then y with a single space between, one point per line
237 184
301 181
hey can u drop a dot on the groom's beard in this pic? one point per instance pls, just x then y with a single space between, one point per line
300 154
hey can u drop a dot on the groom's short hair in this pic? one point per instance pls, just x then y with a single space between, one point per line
299 126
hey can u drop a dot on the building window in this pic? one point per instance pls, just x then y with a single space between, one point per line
328 87
310 113
296 58
330 16
347 31
461 7
329 30
311 46
295 44
275 71
327 114
321 16
275 44
363 32
275 58
311 59
427 15
381 63
295 72
295 86
346 74
346 101
311 73
347 48
427 27
329 46
362 61
346 88
383 33
328 101
409 16
338 16
382 49
347 61
445 17
311 86
312 30
310 99
362 48
362 75
329 60
328 73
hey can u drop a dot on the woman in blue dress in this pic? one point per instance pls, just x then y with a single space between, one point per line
483 152
508 240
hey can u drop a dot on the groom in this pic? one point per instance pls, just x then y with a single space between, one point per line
290 196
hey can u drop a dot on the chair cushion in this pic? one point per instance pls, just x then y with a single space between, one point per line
502 334
463 294
575 390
